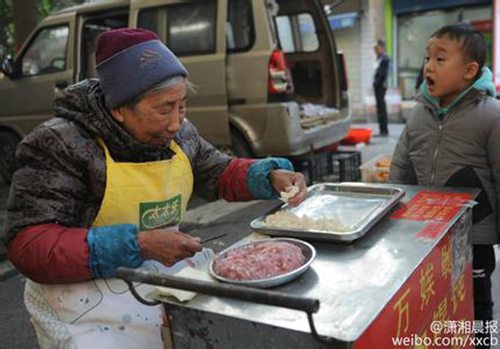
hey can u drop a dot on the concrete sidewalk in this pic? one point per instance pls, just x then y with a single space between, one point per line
377 145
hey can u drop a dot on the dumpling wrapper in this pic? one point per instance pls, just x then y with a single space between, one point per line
290 192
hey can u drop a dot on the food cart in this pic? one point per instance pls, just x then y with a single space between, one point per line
407 282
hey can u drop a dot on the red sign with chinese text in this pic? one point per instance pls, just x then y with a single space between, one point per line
432 206
429 296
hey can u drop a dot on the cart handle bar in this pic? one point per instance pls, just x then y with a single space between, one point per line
280 299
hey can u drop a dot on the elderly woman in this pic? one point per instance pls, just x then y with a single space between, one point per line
97 184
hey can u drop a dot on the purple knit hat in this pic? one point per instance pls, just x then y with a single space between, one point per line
131 61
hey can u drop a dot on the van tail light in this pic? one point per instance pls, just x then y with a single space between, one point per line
344 83
279 78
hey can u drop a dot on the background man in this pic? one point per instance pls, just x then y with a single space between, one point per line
380 86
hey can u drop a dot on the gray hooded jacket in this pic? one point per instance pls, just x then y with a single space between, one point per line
458 146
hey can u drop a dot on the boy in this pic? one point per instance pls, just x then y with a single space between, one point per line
453 139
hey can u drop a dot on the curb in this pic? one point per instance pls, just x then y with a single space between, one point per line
7 270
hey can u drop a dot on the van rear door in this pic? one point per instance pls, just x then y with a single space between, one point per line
195 32
305 36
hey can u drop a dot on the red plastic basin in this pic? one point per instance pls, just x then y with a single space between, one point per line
357 135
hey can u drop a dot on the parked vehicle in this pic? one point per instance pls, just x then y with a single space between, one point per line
268 77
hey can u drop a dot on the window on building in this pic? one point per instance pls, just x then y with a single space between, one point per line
414 31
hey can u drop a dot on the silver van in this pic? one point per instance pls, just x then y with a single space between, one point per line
268 77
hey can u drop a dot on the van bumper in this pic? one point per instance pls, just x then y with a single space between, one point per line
275 129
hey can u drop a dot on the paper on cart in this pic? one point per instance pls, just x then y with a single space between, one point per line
195 268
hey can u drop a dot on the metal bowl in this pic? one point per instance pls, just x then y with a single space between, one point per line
307 249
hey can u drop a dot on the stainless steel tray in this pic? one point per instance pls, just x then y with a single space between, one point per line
308 251
356 206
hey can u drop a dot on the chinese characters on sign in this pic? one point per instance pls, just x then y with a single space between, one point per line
160 213
433 206
438 292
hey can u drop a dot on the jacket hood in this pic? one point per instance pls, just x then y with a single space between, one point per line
484 85
83 103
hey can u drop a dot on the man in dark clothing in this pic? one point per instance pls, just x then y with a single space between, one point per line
380 85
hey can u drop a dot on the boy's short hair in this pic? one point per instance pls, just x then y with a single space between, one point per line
380 43
470 40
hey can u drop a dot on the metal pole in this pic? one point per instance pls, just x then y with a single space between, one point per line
267 297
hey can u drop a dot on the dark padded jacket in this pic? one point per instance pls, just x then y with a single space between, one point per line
67 186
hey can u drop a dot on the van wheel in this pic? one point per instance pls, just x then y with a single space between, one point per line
239 145
8 144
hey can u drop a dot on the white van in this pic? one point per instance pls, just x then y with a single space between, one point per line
269 79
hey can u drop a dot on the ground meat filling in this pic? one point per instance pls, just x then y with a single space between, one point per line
259 261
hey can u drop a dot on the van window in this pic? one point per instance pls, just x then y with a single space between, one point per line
240 33
92 28
306 39
47 52
308 36
187 29
285 33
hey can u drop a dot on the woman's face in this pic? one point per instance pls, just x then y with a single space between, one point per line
156 118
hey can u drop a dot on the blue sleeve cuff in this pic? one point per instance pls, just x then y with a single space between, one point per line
258 176
112 247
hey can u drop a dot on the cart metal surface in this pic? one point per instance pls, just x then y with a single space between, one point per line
387 284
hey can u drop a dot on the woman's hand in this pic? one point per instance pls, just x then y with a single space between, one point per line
167 245
281 180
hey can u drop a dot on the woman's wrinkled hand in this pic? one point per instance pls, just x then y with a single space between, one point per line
167 245
281 180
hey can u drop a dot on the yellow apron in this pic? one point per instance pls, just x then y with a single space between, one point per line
102 313
149 194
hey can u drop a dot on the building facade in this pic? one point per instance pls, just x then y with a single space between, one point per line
405 25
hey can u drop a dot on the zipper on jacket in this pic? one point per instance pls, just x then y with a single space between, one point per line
464 103
436 152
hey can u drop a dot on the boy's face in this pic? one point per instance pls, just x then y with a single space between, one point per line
447 72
